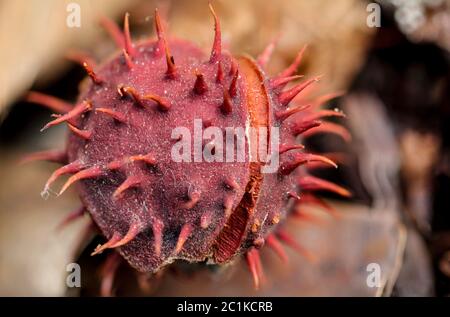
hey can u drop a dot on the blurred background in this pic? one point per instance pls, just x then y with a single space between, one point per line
396 80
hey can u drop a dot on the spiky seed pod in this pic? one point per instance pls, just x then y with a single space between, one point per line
154 210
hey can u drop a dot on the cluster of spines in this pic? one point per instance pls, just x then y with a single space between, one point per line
309 124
